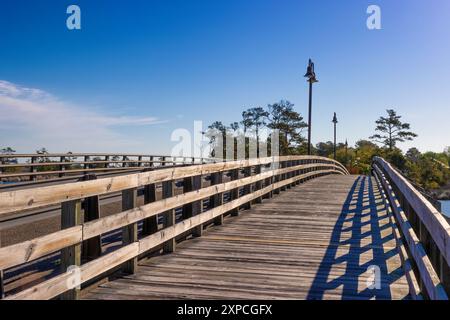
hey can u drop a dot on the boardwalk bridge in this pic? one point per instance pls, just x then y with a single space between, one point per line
294 227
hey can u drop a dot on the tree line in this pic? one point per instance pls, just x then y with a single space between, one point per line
428 170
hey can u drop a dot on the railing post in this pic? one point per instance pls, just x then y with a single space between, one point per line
62 167
217 199
106 162
71 215
248 187
276 177
2 288
283 165
150 225
169 216
194 208
297 172
139 161
197 206
289 174
152 164
258 184
86 165
444 273
234 194
130 232
33 169
92 247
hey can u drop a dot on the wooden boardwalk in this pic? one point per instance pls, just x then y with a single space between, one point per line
314 241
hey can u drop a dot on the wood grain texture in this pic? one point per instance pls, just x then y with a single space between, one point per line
433 220
428 276
314 241
11 201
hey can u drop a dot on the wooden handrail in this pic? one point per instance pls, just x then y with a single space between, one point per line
424 230
65 163
57 155
34 198
281 172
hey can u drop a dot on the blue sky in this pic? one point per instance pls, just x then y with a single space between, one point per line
137 70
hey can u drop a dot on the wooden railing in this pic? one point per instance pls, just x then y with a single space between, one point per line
56 166
422 234
79 240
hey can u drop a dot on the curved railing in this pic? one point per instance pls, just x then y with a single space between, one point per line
231 186
423 234
32 168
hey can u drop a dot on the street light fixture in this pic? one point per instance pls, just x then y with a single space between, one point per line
311 75
335 121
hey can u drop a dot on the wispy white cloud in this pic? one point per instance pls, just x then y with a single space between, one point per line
31 118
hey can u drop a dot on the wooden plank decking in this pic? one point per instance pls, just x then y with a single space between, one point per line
314 241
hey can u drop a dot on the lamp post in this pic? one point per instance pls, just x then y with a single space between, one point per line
311 75
334 121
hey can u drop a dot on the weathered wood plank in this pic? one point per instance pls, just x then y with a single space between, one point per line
32 198
71 216
428 275
276 253
33 249
130 232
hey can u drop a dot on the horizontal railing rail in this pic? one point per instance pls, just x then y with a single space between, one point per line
32 167
83 259
424 234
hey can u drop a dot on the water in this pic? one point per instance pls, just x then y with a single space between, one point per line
446 207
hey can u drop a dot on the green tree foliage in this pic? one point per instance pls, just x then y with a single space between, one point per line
290 123
8 160
213 129
392 130
280 116
324 149
8 151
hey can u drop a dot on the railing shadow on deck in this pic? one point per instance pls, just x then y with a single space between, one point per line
366 206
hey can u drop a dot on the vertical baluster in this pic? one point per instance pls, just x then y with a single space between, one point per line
194 208
151 162
2 288
444 273
150 225
169 216
188 186
248 187
217 199
283 176
71 215
297 172
33 169
2 162
92 247
234 194
86 164
62 167
130 232
258 184
106 162
197 206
